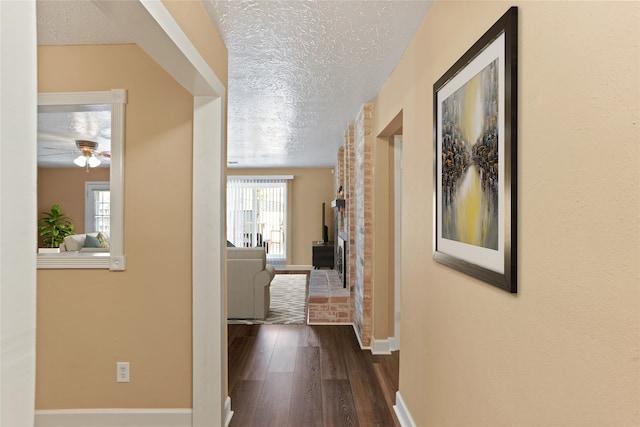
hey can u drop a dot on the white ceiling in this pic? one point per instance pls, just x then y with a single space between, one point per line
59 128
298 70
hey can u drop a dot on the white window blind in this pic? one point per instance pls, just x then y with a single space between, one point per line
97 207
257 213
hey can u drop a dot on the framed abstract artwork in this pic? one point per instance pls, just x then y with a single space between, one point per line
475 158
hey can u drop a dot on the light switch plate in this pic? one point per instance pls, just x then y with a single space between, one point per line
122 373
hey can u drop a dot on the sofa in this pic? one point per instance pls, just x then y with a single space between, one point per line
248 280
98 242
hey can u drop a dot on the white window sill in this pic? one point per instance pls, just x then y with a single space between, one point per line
99 260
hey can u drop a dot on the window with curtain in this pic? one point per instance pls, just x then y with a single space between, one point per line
257 214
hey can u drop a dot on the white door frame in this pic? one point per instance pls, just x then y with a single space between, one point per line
159 35
397 202
18 211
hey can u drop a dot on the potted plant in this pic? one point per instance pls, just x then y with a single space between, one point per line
54 227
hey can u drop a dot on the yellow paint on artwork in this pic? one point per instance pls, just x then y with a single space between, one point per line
472 113
468 202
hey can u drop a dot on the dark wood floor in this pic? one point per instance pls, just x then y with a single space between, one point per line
299 375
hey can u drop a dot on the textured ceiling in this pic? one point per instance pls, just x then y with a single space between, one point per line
60 127
67 22
299 71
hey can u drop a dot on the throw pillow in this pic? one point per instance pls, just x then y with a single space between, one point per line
104 242
92 242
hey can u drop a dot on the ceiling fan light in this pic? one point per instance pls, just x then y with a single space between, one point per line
80 161
94 162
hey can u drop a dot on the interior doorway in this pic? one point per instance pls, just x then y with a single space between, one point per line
393 134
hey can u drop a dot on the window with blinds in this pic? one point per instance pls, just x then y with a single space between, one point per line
97 207
257 214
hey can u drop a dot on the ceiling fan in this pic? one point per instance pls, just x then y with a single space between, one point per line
87 154
87 157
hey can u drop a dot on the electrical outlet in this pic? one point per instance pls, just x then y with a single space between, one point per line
122 373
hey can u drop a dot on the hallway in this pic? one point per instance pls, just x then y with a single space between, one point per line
300 375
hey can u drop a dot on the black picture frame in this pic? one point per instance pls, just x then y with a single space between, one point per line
475 158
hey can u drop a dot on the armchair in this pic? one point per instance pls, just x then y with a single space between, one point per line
248 280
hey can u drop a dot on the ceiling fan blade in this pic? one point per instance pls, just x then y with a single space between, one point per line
103 154
55 136
56 148
66 153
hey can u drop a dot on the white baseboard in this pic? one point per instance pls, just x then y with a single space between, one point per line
381 347
228 413
395 343
114 418
378 347
402 412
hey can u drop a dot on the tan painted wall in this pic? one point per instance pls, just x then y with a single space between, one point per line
382 236
565 350
193 19
309 189
195 22
65 186
87 320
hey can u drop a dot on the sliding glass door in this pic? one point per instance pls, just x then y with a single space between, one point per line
256 214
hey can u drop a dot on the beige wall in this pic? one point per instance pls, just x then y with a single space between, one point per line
87 320
309 189
65 186
195 22
565 349
382 236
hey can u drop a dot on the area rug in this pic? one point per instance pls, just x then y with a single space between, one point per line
288 302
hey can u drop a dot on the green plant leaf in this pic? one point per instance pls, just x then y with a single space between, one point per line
55 226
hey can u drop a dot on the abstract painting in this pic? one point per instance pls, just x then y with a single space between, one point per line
475 127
